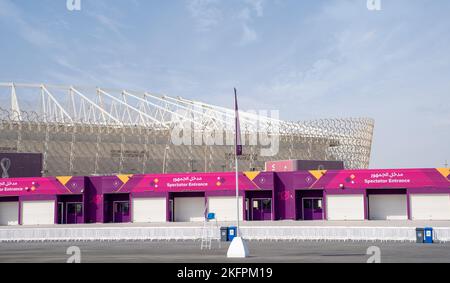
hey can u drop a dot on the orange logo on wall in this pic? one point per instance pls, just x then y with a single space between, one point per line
34 187
155 183
351 179
220 181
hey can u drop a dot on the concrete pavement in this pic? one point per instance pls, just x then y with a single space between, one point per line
189 252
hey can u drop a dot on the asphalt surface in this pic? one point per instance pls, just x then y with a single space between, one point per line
190 252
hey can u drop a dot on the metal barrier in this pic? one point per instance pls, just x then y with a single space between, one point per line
399 234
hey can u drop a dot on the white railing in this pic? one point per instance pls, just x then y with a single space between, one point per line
330 233
442 234
400 234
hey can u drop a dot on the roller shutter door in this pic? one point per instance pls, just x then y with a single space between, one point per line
38 212
430 207
225 208
148 210
9 213
189 209
388 207
345 207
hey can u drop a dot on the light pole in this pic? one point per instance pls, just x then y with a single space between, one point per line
238 247
237 198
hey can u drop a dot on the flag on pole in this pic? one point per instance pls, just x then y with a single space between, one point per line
239 149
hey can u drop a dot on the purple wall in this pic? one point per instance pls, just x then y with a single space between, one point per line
288 186
94 209
284 197
285 188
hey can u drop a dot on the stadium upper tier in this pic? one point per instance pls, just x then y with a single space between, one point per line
103 131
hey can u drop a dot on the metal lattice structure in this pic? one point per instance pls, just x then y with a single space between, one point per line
95 131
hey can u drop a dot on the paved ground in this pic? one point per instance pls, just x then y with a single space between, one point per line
189 252
257 224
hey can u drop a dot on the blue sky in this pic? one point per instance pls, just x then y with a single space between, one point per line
308 59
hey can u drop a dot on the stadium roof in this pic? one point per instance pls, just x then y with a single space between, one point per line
100 106
70 106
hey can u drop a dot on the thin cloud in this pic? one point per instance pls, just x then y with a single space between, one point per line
254 9
205 13
11 15
210 14
258 6
248 35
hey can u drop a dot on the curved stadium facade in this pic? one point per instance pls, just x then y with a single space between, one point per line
94 131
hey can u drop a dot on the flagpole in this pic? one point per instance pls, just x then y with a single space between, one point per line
237 128
238 247
237 197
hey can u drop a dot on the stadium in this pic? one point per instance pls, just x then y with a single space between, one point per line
85 131
111 157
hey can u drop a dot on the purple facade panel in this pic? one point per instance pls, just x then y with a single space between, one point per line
285 189
94 200
284 197
20 165
38 198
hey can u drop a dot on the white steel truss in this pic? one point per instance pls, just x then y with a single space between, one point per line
107 126
128 108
